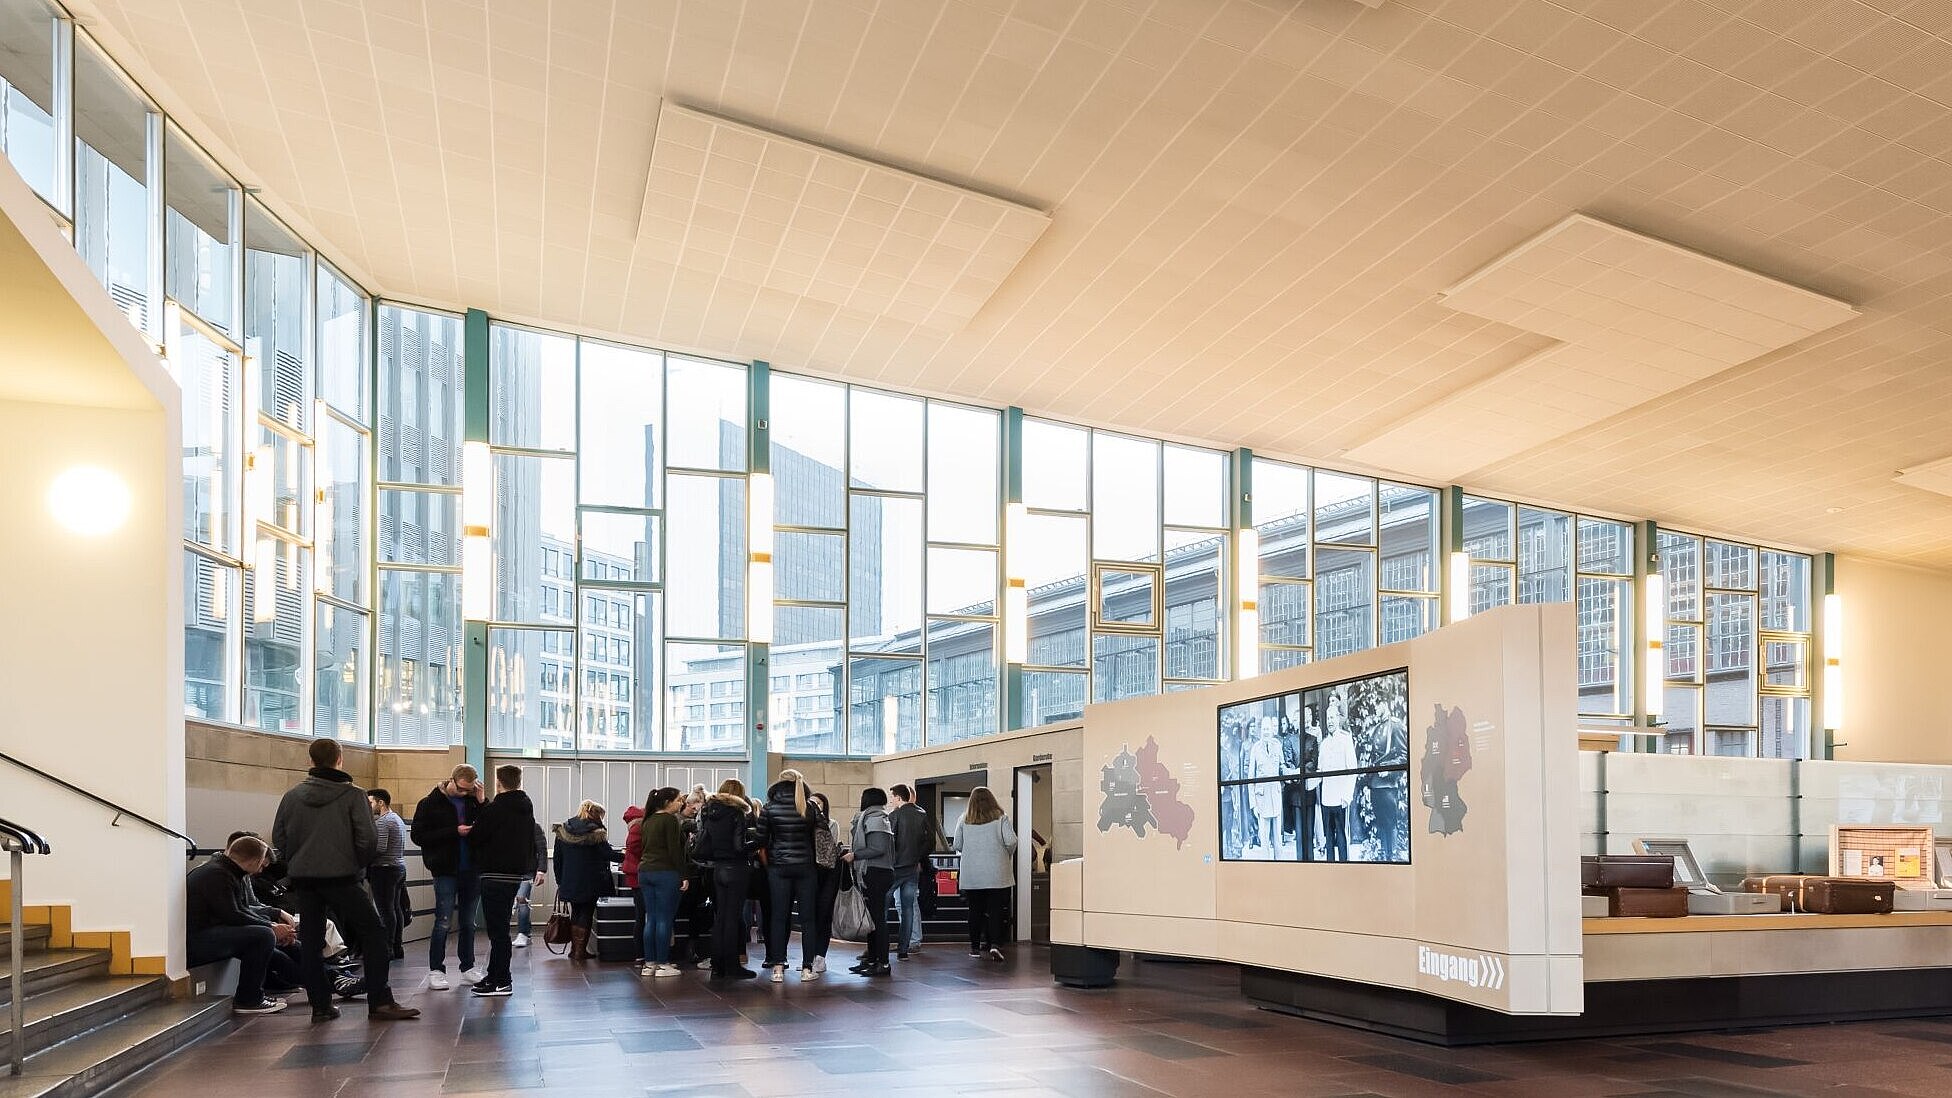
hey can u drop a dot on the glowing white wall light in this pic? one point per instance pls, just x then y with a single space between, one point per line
1247 617
1016 597
759 567
89 500
1833 662
1654 675
1460 586
890 718
477 513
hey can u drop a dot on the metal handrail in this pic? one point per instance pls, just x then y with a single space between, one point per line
103 801
19 842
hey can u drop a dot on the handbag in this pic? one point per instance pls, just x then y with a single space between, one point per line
852 922
555 932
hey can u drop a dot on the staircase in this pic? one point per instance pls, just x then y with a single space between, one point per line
87 1030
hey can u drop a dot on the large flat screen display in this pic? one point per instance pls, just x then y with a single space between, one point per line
1318 775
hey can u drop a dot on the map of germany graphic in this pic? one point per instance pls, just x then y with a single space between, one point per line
1141 793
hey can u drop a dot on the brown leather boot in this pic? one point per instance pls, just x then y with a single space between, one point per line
579 940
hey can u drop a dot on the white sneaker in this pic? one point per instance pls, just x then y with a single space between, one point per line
703 965
649 970
807 974
437 981
521 941
473 976
666 970
779 974
819 965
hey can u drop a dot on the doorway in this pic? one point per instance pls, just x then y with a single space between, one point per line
1031 810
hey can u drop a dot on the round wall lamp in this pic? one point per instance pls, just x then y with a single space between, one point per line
89 500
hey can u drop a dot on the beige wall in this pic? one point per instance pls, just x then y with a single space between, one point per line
236 776
1897 651
1060 745
840 779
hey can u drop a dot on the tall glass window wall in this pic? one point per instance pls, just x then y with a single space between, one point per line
620 515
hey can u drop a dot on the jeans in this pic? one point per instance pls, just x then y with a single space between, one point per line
524 924
875 883
659 891
251 945
348 906
988 908
791 885
815 939
497 904
454 901
387 882
1335 832
908 897
729 925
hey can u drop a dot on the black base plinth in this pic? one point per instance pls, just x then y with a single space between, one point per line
1083 966
1613 1009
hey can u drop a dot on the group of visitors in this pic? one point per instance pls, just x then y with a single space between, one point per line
761 866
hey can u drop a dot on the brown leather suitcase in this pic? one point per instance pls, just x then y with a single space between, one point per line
1626 871
1816 895
1647 903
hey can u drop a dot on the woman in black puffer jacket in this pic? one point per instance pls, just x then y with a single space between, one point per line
786 825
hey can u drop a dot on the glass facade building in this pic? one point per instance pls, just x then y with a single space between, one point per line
323 439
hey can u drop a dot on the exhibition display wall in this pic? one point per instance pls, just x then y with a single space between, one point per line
1405 817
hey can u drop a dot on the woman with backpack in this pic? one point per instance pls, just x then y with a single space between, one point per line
787 824
727 838
827 848
988 845
872 856
583 857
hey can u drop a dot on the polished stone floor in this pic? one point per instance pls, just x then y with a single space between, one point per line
949 1025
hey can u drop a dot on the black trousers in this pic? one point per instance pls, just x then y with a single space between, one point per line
253 946
387 883
989 908
729 885
691 916
497 908
582 913
875 884
1335 833
815 940
790 885
349 907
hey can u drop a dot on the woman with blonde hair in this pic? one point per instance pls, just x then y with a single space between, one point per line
988 845
787 824
583 856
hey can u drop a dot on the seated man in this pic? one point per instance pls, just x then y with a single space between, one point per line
223 922
266 897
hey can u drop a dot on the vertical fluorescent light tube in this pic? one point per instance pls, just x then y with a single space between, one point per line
1016 598
1654 677
1460 586
477 511
258 489
1833 662
1247 570
890 719
759 569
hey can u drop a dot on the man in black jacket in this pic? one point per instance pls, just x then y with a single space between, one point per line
222 922
324 827
502 843
440 829
914 840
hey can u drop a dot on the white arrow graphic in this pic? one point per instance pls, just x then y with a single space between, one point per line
1496 969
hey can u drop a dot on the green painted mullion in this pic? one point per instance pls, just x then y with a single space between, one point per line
759 459
1824 743
1647 562
474 394
1012 452
1240 518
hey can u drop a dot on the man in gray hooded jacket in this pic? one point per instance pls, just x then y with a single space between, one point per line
324 827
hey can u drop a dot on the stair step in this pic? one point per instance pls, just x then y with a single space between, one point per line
45 969
62 1012
32 938
98 1060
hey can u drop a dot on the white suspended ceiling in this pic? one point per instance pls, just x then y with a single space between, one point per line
1256 207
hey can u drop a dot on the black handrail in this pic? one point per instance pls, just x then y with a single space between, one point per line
28 841
104 802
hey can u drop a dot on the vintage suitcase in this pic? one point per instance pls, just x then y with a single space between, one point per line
1817 895
1922 899
1647 903
1626 871
615 929
1734 903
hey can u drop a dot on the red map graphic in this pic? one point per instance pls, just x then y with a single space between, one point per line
1161 791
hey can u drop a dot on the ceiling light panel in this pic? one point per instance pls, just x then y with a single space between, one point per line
770 213
1932 476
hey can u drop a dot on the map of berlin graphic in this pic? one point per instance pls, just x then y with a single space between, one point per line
1446 759
1141 793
